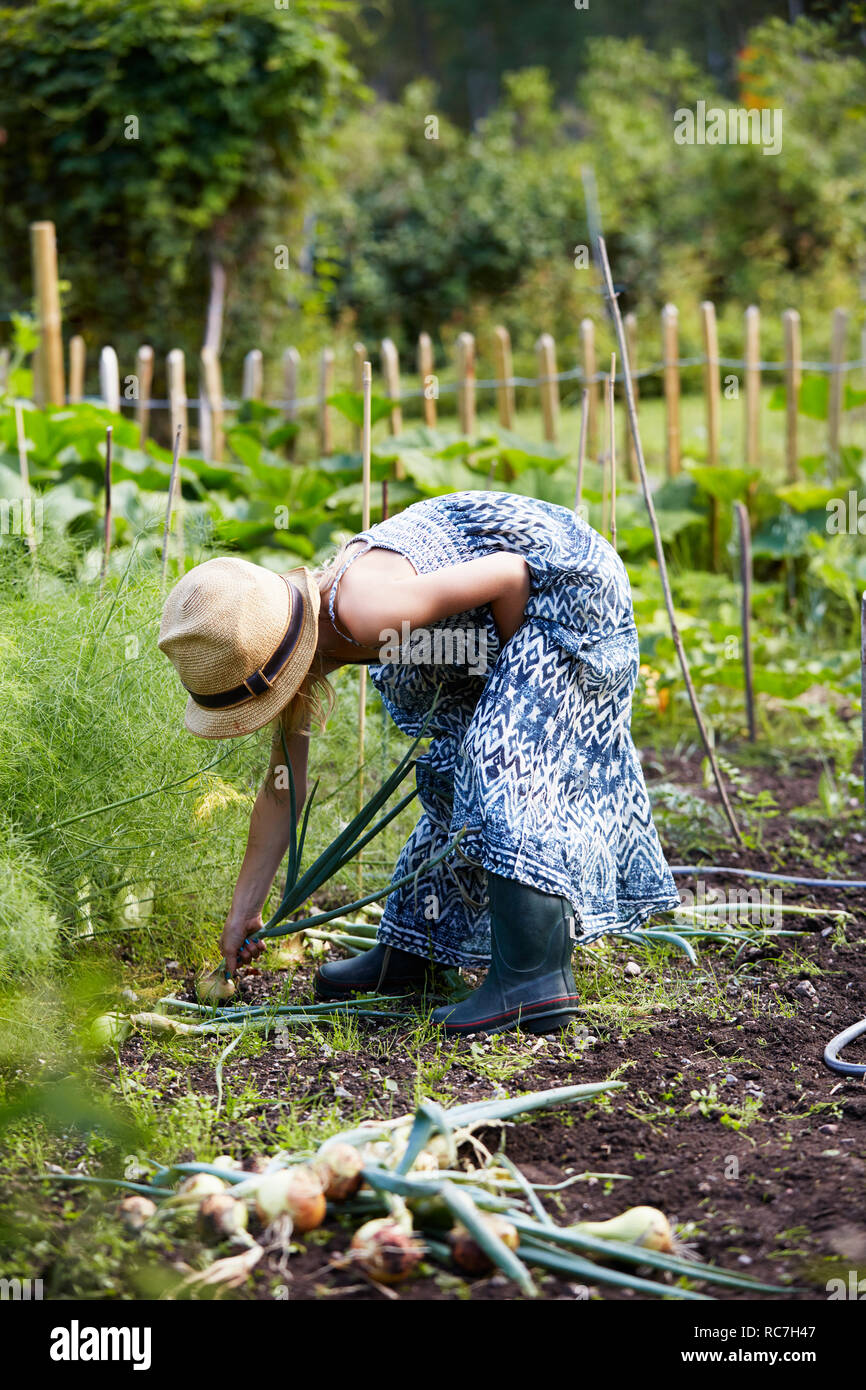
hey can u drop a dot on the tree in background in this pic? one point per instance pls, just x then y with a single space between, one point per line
163 137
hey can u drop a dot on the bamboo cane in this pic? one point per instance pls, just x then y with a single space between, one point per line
106 545
172 486
581 448
587 343
109 379
253 376
746 613
713 403
24 468
49 377
213 390
546 352
359 357
466 383
77 360
391 373
659 548
176 367
611 424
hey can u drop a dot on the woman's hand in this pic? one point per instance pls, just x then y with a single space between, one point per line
236 946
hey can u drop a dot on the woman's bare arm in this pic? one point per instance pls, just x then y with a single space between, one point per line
370 602
267 842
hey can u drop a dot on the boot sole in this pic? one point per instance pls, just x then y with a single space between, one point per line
550 1021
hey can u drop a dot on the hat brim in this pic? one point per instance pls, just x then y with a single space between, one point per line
260 710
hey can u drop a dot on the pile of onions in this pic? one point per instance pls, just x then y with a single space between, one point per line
386 1250
295 1192
469 1255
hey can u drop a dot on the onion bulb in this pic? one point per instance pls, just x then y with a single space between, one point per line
212 987
338 1167
225 1161
386 1250
469 1255
296 1192
197 1187
108 1031
646 1226
221 1216
160 1023
134 1211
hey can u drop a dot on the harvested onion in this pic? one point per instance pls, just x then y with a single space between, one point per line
469 1255
108 1031
221 1216
646 1226
135 1211
386 1250
338 1167
212 987
296 1192
197 1187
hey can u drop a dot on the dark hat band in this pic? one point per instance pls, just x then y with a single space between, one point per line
261 681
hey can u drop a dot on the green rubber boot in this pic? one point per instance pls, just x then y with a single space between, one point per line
529 984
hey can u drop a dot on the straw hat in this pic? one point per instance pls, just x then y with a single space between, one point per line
242 639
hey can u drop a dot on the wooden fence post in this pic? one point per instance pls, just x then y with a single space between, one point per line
752 384
504 373
176 371
670 357
109 379
48 378
144 372
793 373
428 378
466 383
291 372
546 353
391 373
212 386
587 346
326 389
630 324
713 403
253 377
837 387
77 360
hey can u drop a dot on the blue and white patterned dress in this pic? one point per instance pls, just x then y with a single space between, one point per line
534 756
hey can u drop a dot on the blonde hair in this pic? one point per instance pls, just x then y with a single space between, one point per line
314 700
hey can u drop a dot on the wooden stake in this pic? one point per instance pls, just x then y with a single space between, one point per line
359 357
291 372
670 357
252 386
546 351
746 613
4 370
630 322
611 425
391 373
753 385
793 377
581 448
504 373
212 386
48 380
326 389
172 490
176 368
109 379
466 383
77 360
24 469
106 545
659 548
587 344
427 376
713 403
144 372
837 388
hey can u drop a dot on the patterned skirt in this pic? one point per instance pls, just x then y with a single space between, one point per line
530 752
